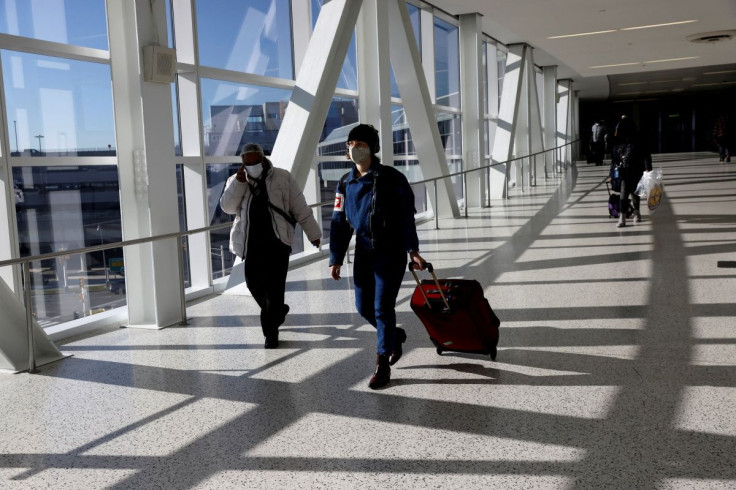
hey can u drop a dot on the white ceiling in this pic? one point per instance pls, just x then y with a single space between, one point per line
534 21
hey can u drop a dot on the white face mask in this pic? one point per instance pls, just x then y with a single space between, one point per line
359 155
254 171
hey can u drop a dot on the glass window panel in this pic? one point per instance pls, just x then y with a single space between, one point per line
341 118
66 208
251 36
416 22
403 143
235 114
57 106
447 63
349 73
450 128
77 22
394 86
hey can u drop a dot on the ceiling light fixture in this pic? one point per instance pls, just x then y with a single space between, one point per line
718 72
632 83
618 64
633 100
582 34
711 84
659 25
671 59
644 62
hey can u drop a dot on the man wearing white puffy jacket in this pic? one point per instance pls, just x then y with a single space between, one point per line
267 204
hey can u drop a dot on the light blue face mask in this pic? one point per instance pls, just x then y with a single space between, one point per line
254 171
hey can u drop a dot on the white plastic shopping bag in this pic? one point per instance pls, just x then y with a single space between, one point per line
650 187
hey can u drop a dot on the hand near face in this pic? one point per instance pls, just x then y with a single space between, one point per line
240 175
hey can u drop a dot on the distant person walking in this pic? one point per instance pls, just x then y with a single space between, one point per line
598 139
631 159
720 138
266 202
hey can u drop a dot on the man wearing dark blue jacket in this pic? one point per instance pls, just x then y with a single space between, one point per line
376 202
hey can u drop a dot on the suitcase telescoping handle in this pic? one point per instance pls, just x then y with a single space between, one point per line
412 265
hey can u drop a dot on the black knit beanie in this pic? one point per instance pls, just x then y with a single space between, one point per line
367 134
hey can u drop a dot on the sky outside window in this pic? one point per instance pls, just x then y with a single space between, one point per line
57 105
252 36
77 22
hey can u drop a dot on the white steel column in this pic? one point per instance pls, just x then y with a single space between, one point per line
146 164
471 79
563 119
374 73
550 113
535 142
575 128
315 86
418 106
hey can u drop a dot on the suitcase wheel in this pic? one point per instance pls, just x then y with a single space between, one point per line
494 351
439 351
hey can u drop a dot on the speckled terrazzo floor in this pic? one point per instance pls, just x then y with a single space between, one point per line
616 367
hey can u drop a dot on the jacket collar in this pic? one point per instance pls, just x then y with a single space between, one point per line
376 167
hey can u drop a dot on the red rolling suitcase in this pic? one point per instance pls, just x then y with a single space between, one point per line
456 314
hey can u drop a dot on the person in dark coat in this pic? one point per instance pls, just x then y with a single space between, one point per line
375 202
630 158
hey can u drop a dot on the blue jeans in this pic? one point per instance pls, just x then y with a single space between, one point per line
378 276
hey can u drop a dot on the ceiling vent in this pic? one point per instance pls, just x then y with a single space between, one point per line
711 37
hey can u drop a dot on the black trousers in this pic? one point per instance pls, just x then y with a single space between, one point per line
265 276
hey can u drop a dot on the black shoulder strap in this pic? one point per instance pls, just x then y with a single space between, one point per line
287 217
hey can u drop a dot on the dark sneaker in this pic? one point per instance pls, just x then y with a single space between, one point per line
272 341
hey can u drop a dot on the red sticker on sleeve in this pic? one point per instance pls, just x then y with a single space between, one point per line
339 198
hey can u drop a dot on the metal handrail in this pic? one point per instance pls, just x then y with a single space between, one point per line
25 261
461 172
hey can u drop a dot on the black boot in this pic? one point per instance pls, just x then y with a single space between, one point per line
398 350
382 375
